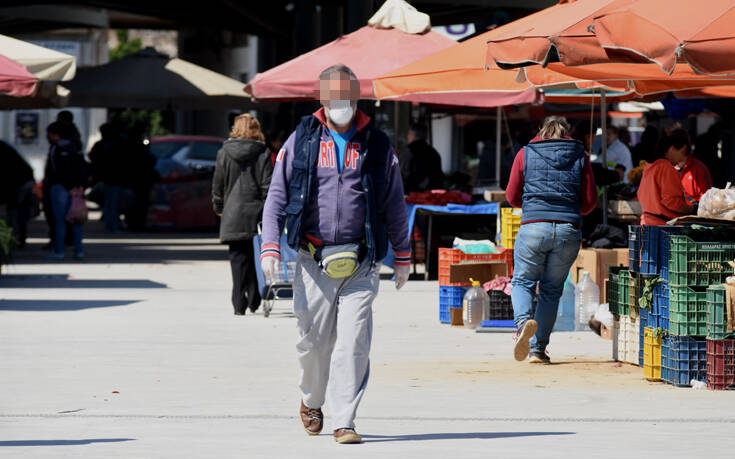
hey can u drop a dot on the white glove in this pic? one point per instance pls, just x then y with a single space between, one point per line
270 267
401 275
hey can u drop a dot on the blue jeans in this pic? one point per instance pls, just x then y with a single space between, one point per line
60 203
543 254
111 207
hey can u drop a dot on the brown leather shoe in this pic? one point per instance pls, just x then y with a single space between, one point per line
347 436
312 419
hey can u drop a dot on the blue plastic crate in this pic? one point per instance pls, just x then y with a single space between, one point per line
659 316
449 297
634 248
649 236
664 245
682 359
643 320
654 249
640 343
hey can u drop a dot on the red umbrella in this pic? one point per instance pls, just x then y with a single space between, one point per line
369 52
15 79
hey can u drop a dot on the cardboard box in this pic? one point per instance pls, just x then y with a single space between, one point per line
494 196
605 333
598 263
483 272
730 308
620 208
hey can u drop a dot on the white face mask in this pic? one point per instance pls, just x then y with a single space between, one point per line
340 112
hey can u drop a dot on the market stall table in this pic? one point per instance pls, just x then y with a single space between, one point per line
454 210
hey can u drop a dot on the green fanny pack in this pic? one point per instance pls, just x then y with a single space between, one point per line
337 261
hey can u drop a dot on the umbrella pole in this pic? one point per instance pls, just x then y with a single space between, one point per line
498 143
603 144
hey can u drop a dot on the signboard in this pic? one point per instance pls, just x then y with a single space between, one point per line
26 128
456 31
73 48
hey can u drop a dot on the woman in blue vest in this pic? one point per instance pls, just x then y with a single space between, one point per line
552 182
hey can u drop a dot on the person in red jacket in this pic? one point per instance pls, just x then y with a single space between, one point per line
661 193
695 178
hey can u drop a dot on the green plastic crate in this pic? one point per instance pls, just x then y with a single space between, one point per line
700 264
687 311
716 313
618 285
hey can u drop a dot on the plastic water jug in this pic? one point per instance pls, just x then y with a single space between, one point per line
565 317
475 305
587 300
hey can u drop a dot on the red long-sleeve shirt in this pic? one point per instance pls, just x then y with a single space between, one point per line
661 194
695 178
514 190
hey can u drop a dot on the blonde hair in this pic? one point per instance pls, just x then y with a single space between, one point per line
554 127
246 127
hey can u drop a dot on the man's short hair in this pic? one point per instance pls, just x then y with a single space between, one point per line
58 128
338 68
419 130
65 116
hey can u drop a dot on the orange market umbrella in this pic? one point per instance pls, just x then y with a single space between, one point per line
669 31
559 32
455 76
643 79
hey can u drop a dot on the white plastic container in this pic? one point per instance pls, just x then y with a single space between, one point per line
566 315
586 300
474 305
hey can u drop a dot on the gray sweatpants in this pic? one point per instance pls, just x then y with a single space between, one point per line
335 322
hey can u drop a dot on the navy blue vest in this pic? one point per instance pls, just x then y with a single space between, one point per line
552 171
374 159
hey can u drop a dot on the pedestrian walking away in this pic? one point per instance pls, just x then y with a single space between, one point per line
337 189
242 176
553 183
66 173
108 167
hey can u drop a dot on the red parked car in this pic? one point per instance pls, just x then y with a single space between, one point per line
182 196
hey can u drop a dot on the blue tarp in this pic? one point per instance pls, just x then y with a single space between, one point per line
490 208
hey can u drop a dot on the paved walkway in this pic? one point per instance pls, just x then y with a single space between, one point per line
135 353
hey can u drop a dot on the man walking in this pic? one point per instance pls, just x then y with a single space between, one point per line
337 188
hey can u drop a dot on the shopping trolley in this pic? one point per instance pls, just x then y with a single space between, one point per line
281 287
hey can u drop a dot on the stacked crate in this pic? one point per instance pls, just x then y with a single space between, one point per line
451 294
510 223
623 303
648 259
720 346
695 262
652 354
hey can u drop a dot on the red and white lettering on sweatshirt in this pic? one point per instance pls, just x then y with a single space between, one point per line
328 155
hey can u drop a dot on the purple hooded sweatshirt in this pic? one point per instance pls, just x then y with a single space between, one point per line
336 211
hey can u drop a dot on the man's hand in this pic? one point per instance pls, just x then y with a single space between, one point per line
401 275
270 267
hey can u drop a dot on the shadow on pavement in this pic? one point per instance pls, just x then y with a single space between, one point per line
60 305
458 436
62 442
130 252
63 281
126 247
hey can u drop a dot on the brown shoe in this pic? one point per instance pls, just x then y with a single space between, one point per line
347 436
312 419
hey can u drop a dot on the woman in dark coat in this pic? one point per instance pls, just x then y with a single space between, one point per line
241 179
